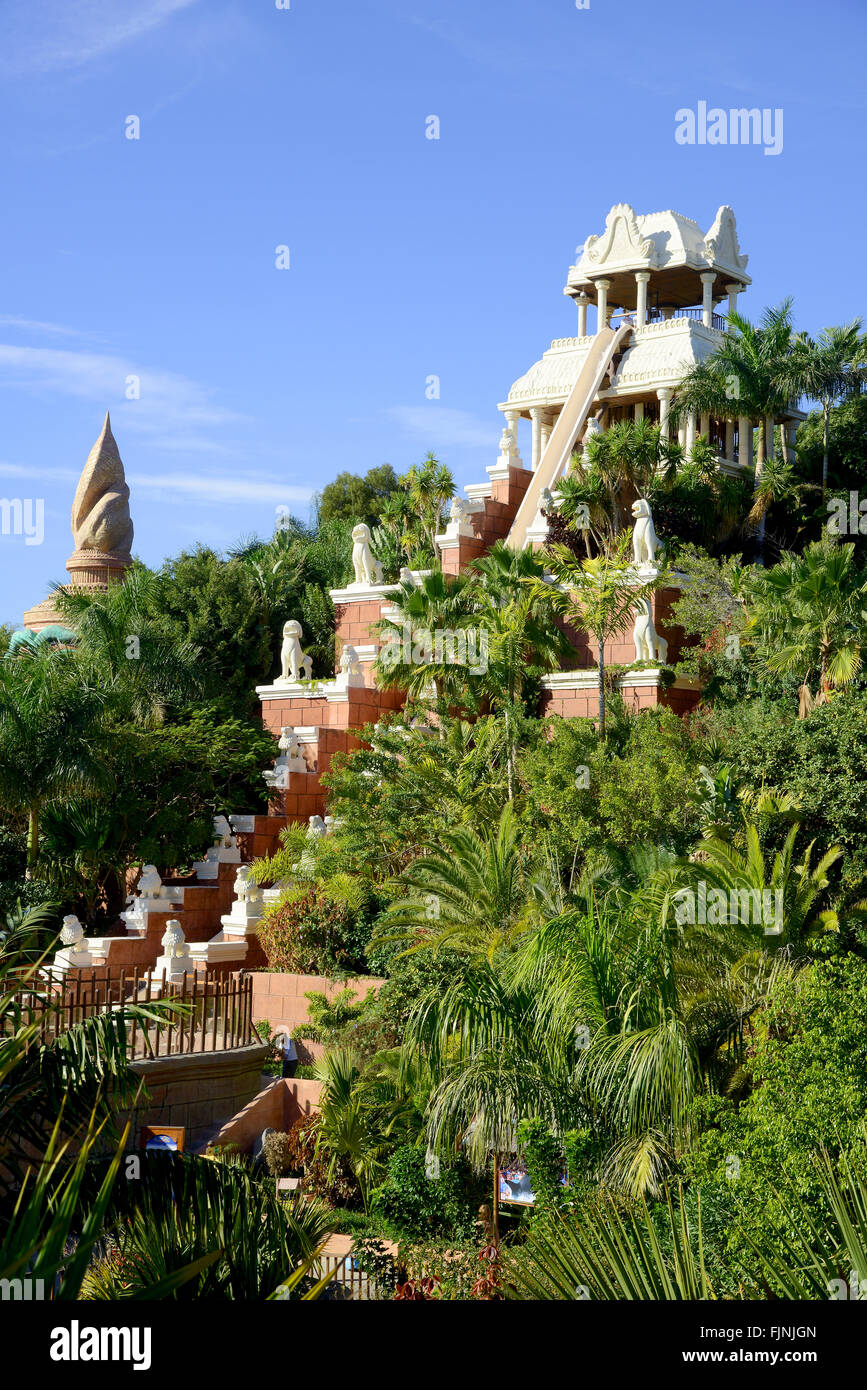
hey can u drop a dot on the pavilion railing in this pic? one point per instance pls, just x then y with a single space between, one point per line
217 1012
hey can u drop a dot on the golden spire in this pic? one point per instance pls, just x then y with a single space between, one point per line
100 511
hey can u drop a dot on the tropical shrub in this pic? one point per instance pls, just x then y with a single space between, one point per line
277 1152
416 1204
807 1081
309 932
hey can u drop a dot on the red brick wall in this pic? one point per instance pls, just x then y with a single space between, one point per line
279 998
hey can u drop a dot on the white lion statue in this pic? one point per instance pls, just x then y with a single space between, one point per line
367 570
649 646
295 665
173 942
349 663
223 837
288 742
645 542
150 885
72 931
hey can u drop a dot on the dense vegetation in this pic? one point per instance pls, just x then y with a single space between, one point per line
628 951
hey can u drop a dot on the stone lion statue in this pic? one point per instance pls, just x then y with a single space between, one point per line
649 646
223 836
645 542
295 665
150 885
174 942
72 931
367 570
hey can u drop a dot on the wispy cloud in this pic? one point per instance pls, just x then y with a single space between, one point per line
171 410
46 36
38 327
208 488
444 428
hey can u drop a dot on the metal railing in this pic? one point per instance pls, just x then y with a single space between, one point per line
217 1014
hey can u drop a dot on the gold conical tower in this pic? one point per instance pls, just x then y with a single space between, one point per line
101 527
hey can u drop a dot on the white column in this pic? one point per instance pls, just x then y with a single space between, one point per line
730 439
663 395
639 410
582 300
512 418
704 427
690 431
707 278
745 442
733 290
547 426
791 435
602 288
641 281
538 417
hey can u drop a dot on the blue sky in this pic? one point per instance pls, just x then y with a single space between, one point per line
409 257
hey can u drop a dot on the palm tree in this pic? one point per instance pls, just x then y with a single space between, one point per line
645 1255
211 1223
429 487
750 375
470 891
600 591
517 613
629 457
746 880
52 735
345 1132
119 637
828 370
807 615
607 1016
438 604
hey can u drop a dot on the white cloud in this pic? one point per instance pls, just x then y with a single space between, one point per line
43 36
172 411
444 428
50 330
210 488
217 488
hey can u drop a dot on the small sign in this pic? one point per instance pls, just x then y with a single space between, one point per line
162 1138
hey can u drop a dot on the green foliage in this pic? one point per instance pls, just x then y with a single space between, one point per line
818 762
334 1022
186 1209
311 932
847 450
405 787
166 785
638 787
233 608
808 1089
415 1204
353 498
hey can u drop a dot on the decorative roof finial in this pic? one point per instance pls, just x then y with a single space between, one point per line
100 511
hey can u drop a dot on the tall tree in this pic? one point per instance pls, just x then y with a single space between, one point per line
52 735
807 615
829 369
750 375
598 592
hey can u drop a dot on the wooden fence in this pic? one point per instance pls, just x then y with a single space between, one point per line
216 1013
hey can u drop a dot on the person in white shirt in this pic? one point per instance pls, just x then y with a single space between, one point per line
290 1056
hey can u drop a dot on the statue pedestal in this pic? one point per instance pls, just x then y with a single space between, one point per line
176 967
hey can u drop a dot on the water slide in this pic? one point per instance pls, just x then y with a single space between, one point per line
568 428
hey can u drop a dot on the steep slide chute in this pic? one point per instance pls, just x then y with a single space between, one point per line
569 425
